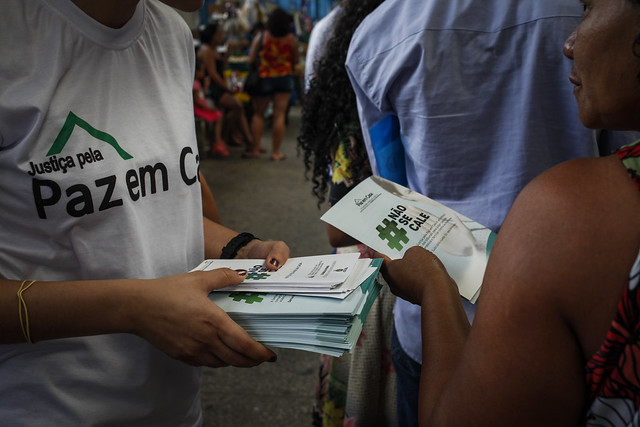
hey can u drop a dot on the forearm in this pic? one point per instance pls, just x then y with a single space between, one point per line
338 238
65 309
444 332
216 236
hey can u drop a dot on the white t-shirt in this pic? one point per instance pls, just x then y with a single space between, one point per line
98 180
320 35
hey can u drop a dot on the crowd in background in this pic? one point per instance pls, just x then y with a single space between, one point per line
234 40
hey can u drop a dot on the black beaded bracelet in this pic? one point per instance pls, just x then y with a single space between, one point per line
231 249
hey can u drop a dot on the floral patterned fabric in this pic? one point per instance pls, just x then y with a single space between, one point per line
358 389
613 373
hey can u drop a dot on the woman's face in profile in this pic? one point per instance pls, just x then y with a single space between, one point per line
605 68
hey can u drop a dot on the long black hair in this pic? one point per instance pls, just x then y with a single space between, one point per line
329 111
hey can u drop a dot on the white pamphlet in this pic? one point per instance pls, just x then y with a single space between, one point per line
391 218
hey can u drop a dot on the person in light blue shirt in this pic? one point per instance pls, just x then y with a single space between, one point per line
465 101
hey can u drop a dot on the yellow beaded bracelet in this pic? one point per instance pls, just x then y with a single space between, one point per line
22 305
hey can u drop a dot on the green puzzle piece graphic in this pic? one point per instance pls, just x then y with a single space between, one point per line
249 298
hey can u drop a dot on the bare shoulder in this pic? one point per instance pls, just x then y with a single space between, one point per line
554 278
573 234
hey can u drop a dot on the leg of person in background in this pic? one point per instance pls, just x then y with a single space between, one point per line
257 125
280 104
214 133
217 130
214 127
235 116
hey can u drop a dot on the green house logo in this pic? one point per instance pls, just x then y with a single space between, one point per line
69 126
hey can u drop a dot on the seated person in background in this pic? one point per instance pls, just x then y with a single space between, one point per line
211 37
211 115
555 337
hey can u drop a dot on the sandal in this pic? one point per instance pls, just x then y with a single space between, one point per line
220 149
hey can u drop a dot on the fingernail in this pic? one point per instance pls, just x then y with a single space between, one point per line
274 262
242 272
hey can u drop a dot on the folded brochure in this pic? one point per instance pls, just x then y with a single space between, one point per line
391 218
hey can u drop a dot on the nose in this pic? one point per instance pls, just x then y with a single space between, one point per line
568 45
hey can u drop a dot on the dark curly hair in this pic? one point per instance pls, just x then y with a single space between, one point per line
329 111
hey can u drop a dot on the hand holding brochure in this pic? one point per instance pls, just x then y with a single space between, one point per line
391 218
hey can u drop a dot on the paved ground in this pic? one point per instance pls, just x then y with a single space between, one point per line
273 201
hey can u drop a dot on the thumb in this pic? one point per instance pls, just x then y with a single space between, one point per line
223 277
385 258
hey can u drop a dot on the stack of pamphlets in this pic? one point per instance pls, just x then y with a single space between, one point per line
390 218
332 276
317 303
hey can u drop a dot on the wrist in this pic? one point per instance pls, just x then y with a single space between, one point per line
236 245
245 251
126 306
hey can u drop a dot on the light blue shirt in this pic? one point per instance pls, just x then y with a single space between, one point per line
466 101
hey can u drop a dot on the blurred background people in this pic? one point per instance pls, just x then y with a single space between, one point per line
223 96
277 50
207 114
253 12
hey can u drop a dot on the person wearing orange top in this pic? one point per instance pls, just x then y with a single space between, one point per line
277 49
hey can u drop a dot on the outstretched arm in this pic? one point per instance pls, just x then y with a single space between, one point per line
172 313
555 276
